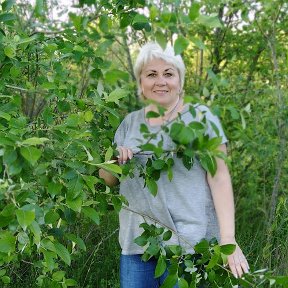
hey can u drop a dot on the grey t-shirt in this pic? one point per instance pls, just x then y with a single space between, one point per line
184 204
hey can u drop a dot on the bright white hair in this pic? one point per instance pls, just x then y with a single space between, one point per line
153 50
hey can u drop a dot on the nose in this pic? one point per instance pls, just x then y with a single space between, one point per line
160 81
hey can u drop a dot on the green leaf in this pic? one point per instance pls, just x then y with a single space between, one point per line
202 247
6 279
213 261
47 244
7 242
76 20
117 203
115 95
35 141
9 51
31 154
167 235
39 8
10 156
160 267
113 76
51 217
109 166
58 276
176 249
185 136
209 163
54 188
76 240
104 24
211 21
158 164
161 39
109 154
88 116
170 173
92 214
211 275
196 125
152 186
36 230
227 249
90 181
5 115
180 45
198 43
74 187
194 11
25 217
63 253
206 92
75 204
5 17
141 240
153 249
182 283
23 238
152 114
49 259
140 22
8 4
170 281
70 282
15 72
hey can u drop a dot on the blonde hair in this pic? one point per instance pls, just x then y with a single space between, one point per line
153 50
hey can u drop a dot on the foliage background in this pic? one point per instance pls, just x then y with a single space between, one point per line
66 85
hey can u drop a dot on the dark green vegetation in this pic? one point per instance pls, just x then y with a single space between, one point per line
65 87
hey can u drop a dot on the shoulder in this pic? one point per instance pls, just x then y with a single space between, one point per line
204 111
134 116
202 108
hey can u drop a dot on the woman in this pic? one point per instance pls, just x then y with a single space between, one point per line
194 204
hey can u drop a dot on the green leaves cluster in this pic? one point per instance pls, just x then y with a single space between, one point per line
190 142
206 266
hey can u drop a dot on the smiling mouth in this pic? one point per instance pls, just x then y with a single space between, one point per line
160 91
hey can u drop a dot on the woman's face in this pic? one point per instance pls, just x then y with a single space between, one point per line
160 82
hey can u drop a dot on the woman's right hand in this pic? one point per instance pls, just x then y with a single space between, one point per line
125 154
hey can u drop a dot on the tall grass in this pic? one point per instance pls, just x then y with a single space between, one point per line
97 267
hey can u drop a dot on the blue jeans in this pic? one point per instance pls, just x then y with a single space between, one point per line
135 273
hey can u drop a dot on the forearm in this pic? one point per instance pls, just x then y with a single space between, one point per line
222 194
109 179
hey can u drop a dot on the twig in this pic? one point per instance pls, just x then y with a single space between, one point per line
158 222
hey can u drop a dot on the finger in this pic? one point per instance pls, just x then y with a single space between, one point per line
120 156
233 270
124 155
245 265
239 269
130 154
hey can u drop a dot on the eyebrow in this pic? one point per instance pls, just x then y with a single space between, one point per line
151 70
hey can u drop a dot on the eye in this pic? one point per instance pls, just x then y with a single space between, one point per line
168 74
151 75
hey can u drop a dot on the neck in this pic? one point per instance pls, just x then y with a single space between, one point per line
168 115
169 108
172 108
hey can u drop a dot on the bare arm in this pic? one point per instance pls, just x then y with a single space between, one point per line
124 155
222 193
109 179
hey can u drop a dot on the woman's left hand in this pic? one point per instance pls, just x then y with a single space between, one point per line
237 261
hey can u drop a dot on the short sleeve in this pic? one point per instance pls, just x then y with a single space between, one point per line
214 127
121 132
